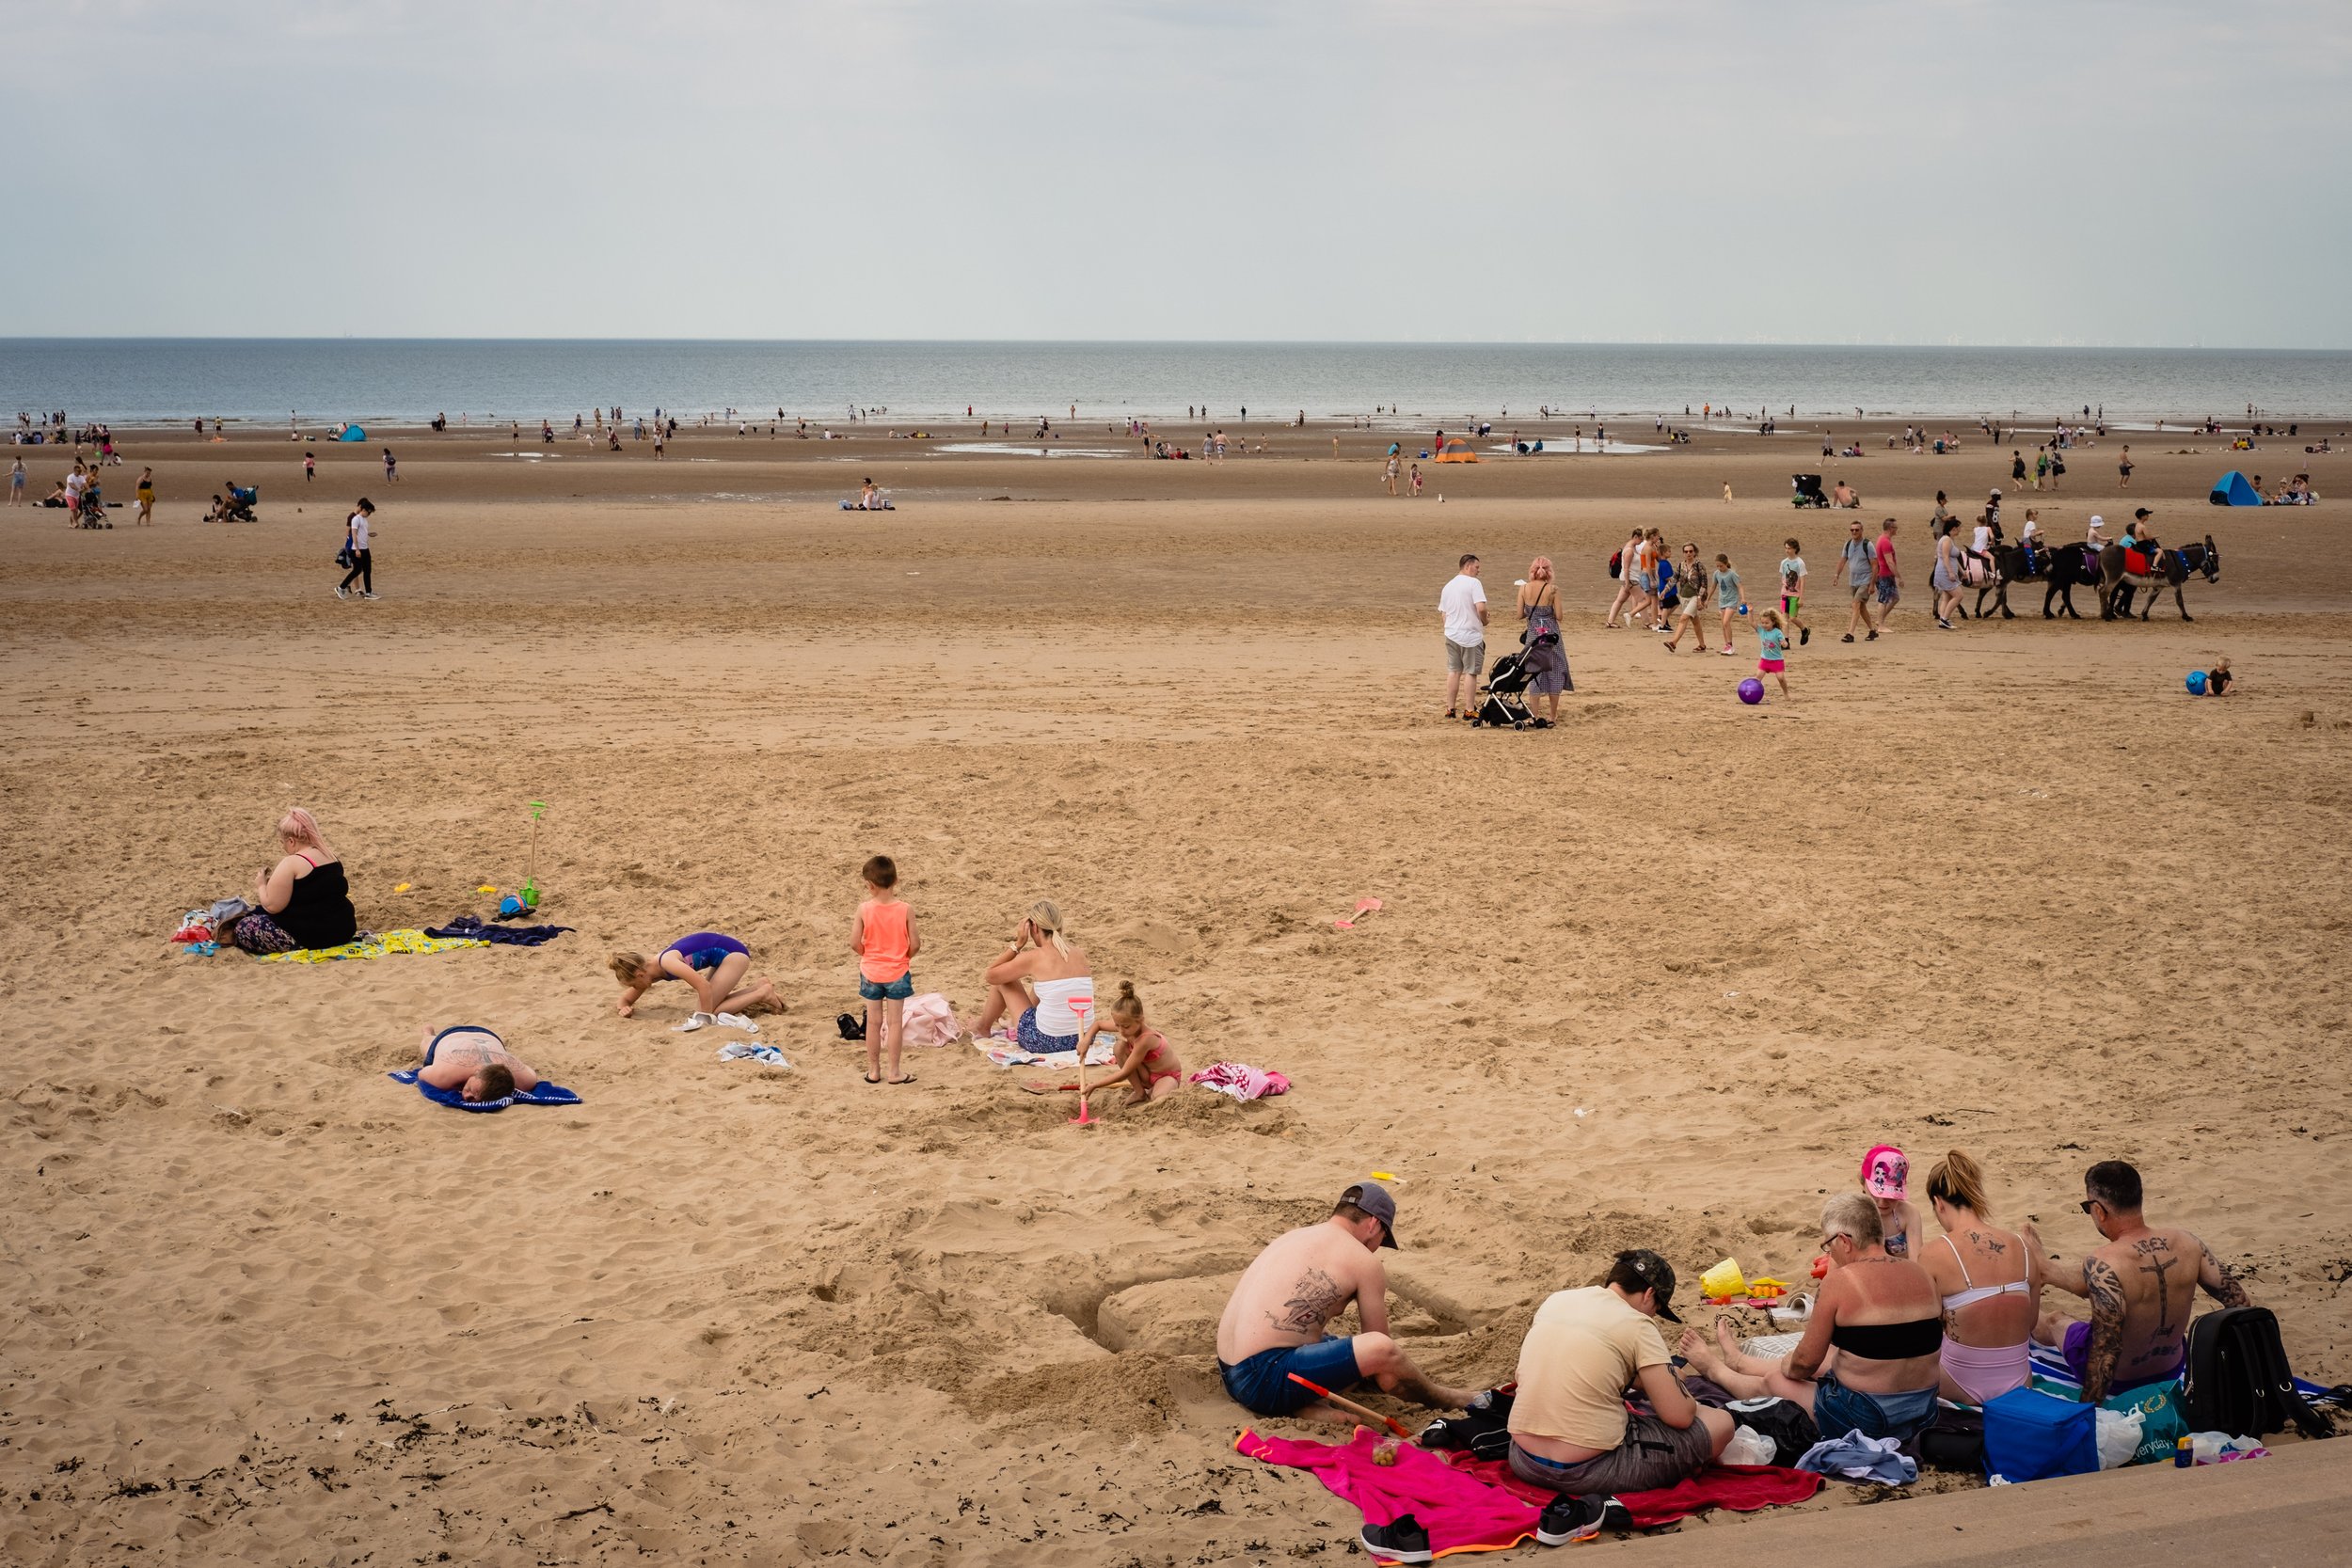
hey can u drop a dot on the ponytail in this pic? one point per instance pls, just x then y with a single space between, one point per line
1959 1181
1048 920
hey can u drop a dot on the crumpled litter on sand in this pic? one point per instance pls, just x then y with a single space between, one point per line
373 944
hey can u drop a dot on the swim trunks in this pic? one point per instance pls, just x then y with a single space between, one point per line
2077 1349
1262 1382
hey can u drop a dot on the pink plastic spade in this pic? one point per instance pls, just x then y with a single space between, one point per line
1363 907
1082 1006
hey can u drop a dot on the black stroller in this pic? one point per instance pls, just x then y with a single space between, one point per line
1505 704
1808 491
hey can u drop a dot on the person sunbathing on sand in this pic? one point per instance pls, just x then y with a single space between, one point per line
715 964
472 1060
1146 1063
2141 1286
1273 1326
1042 972
1870 1360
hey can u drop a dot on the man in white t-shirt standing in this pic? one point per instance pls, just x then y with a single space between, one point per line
1463 603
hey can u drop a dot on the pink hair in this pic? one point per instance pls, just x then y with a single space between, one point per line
1539 568
301 827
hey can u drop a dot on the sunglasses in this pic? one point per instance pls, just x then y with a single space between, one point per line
2087 1205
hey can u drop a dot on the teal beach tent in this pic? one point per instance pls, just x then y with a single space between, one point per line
353 433
2230 489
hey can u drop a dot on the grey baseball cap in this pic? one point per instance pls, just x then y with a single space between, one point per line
1373 1200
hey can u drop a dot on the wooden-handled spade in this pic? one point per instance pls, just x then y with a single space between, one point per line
1396 1427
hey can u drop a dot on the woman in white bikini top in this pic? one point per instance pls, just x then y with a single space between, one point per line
1988 1327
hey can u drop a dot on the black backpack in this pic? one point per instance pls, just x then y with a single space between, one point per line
1483 1432
2238 1381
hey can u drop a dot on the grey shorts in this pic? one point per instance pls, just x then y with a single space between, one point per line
1464 661
1653 1455
1861 591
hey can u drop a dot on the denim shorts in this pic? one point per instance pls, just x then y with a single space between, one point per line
887 990
1262 1381
1838 1410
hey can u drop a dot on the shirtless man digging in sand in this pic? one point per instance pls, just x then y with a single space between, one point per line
474 1061
1274 1324
2141 1286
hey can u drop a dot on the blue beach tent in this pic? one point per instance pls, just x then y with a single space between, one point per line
353 433
2230 489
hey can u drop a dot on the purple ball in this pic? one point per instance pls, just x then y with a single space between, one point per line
1751 691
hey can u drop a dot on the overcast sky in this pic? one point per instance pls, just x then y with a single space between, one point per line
2054 172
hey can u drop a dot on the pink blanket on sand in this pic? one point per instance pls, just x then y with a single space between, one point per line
1471 1505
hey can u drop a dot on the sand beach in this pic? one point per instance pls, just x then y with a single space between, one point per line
1655 977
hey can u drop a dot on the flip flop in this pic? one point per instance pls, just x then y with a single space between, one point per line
870 1078
908 1078
700 1021
736 1021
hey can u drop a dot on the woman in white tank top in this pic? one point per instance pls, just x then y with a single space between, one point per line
1041 984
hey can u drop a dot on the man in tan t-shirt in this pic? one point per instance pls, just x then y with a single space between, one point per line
1570 1429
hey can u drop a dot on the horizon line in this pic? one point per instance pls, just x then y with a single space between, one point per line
1184 342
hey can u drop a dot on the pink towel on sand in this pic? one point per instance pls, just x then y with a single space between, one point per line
1472 1505
1461 1513
1241 1080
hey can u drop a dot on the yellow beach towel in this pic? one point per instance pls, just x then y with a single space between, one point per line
408 941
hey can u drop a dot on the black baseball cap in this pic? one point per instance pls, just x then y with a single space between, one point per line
2143 514
1373 1200
1654 1271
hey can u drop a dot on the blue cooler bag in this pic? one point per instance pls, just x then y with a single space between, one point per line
2029 1435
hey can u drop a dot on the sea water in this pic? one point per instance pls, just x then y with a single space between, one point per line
407 381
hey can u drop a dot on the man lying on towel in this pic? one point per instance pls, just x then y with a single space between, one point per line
470 1059
1303 1279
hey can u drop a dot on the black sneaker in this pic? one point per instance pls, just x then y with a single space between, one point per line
1805 635
1402 1541
1567 1519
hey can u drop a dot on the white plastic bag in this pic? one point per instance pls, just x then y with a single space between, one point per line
1748 1447
2118 1437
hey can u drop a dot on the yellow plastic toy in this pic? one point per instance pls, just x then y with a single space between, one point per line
1382 1176
402 888
1723 1281
1762 1290
485 888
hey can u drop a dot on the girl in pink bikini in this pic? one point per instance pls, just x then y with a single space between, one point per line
1146 1063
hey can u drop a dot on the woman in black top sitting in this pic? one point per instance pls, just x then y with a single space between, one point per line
301 901
1870 1359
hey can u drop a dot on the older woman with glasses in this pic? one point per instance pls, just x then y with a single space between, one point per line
1870 1358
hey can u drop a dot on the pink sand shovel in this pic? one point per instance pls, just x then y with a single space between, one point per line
1363 907
1082 1006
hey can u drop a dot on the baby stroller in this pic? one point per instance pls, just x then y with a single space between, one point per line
92 511
1503 706
1808 491
241 502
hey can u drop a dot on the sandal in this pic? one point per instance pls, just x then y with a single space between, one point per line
870 1078
908 1078
1849 637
